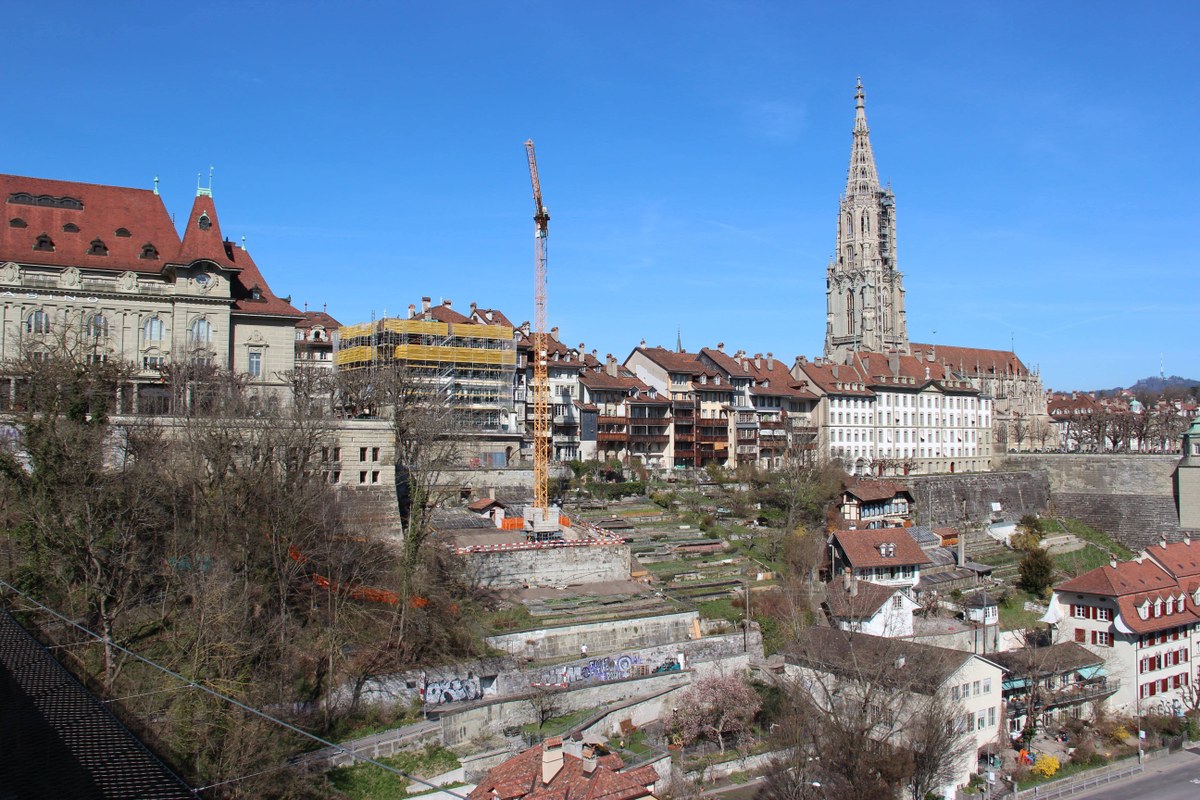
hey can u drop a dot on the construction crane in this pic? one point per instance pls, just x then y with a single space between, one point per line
541 376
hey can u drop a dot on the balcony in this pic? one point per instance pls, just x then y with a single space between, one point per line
1081 692
608 419
649 438
771 425
684 453
612 436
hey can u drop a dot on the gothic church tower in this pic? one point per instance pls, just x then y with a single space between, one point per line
864 290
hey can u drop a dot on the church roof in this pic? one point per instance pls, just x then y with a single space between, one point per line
973 361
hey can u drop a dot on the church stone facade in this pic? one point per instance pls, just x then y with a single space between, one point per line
864 287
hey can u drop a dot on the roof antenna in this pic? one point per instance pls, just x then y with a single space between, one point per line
156 184
305 306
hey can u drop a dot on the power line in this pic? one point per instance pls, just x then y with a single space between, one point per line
227 699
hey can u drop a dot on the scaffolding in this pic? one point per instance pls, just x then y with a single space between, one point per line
471 365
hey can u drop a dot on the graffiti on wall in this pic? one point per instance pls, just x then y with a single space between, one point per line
596 670
453 690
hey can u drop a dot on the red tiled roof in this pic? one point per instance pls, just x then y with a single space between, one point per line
311 319
839 379
484 503
243 284
1126 578
910 371
1181 559
600 380
205 243
105 210
444 313
672 361
869 489
491 316
862 548
1128 606
972 360
864 605
520 778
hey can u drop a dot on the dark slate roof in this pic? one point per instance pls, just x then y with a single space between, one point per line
60 741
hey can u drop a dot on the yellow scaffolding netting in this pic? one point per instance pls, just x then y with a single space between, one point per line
417 326
454 355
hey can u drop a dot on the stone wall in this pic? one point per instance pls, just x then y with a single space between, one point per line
551 566
955 500
463 724
1130 497
634 633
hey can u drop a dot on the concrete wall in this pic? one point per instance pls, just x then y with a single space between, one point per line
957 499
551 566
466 723
1130 497
547 644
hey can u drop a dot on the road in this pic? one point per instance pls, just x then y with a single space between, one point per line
1176 777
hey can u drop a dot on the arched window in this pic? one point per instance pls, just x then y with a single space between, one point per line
850 311
200 332
123 233
44 242
866 223
204 223
37 322
97 327
97 248
17 222
152 330
70 227
149 251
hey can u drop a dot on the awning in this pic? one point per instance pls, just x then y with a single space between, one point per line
1087 673
1015 683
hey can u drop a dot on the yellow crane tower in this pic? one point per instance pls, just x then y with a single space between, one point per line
541 376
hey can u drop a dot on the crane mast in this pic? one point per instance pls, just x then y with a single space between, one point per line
541 376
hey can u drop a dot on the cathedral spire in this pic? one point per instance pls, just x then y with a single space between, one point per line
862 177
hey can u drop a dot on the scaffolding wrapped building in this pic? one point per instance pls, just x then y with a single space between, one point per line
469 363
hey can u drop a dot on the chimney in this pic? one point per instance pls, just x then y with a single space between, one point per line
930 357
412 310
589 759
721 347
446 303
835 372
642 343
1112 562
758 360
894 364
554 333
927 373
473 306
1162 541
552 759
425 301
574 746
610 365
770 361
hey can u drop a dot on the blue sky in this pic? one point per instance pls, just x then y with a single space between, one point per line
1043 157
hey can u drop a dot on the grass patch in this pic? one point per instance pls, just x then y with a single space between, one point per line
1067 770
1013 615
513 618
556 726
1078 562
368 782
1098 538
725 608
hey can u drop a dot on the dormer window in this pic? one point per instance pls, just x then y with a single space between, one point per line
70 227
97 248
204 223
1170 605
17 222
123 233
256 293
1158 607
44 243
1144 609
149 252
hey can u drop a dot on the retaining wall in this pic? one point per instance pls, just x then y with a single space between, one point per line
1130 497
610 636
551 566
955 500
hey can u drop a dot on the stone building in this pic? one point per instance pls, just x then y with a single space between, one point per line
102 269
864 287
